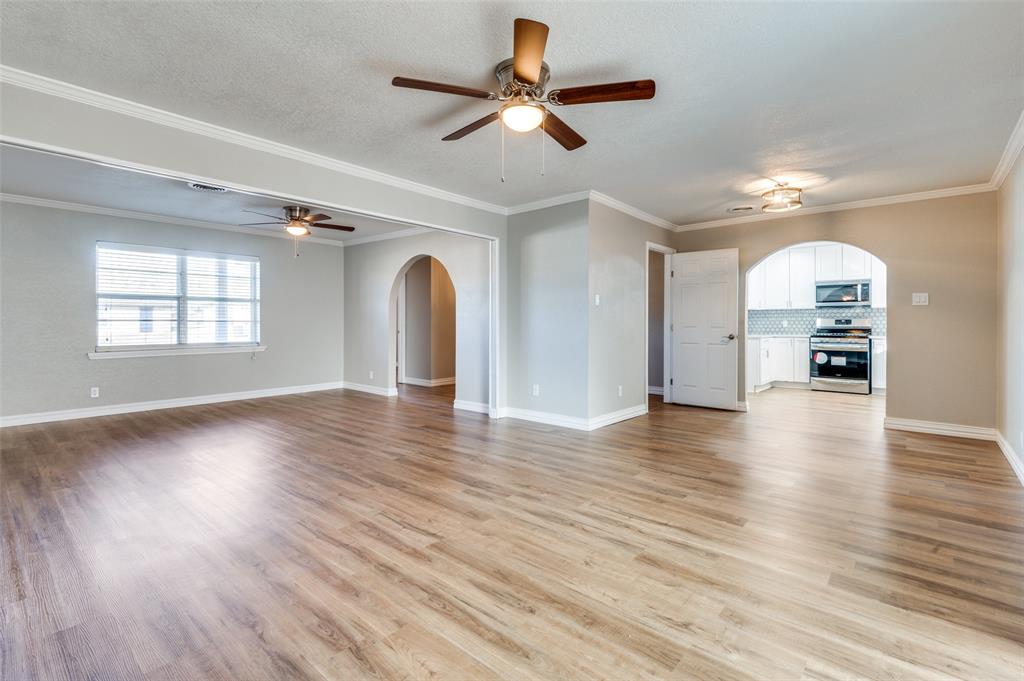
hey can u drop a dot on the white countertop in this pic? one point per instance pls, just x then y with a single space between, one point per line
778 335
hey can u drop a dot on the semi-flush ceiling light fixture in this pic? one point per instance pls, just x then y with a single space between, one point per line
781 199
522 114
297 228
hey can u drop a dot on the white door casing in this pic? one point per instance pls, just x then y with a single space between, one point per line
705 310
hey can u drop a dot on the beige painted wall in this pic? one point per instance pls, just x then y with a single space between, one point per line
417 320
442 322
941 364
1010 333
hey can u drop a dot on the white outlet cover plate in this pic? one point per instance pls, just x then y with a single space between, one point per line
919 299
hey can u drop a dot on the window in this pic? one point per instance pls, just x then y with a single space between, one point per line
159 298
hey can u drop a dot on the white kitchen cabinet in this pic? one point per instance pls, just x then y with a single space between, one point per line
777 281
801 277
756 288
781 359
802 360
856 263
765 364
879 355
879 287
753 368
828 262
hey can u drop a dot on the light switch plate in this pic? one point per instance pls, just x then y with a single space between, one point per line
919 299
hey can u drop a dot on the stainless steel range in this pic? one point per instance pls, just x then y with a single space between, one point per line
841 356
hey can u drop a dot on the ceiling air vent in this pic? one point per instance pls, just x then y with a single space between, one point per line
200 187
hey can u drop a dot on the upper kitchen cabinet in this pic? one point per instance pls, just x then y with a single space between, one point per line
828 262
856 263
756 288
776 295
878 282
801 277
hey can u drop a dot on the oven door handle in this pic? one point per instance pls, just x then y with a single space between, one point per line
844 348
840 381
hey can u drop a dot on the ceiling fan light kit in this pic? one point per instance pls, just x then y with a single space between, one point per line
781 199
522 82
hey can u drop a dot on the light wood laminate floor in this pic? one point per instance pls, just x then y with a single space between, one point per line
340 535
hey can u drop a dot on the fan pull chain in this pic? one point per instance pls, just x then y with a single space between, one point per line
543 134
502 126
295 246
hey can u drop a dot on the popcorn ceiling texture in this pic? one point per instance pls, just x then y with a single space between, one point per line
801 322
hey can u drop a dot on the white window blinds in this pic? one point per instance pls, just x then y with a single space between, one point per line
148 297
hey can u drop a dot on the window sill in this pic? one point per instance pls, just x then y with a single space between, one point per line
165 352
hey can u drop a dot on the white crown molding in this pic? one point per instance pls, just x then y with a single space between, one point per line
548 203
401 234
632 211
57 88
130 407
1015 460
1010 154
939 428
152 217
848 205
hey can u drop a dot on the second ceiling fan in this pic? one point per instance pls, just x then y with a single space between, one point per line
522 81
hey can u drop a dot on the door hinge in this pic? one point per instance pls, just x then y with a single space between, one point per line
673 274
670 381
671 327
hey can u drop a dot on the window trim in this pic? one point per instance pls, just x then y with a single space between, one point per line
180 348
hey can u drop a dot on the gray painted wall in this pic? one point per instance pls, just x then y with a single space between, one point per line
429 321
48 315
547 309
417 320
655 319
1010 335
617 335
371 274
945 247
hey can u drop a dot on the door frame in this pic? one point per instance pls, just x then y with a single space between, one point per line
741 278
666 253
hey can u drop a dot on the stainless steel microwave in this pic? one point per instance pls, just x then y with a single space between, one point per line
843 293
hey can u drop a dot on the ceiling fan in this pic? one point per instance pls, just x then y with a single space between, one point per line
297 221
522 81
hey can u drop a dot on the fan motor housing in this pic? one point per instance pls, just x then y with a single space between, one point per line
510 87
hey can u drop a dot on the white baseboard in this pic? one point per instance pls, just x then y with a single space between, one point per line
129 407
1015 460
741 406
373 389
429 382
938 428
576 422
466 405
655 390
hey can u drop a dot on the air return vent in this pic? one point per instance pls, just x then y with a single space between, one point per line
199 187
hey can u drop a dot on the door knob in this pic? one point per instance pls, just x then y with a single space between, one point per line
731 336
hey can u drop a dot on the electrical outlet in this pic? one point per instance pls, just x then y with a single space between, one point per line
620 391
919 299
94 392
536 390
371 374
597 299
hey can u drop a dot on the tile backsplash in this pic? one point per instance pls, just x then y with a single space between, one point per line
801 322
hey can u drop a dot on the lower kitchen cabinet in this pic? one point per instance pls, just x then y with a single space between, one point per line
879 354
802 360
771 359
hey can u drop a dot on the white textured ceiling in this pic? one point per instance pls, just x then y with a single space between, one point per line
41 175
859 100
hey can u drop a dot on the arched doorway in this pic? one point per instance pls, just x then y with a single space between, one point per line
423 338
816 319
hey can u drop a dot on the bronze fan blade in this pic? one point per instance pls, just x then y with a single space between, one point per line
338 227
399 81
250 224
316 218
528 43
609 92
562 133
256 212
475 125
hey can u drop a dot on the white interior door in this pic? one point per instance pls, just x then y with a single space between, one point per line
705 309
